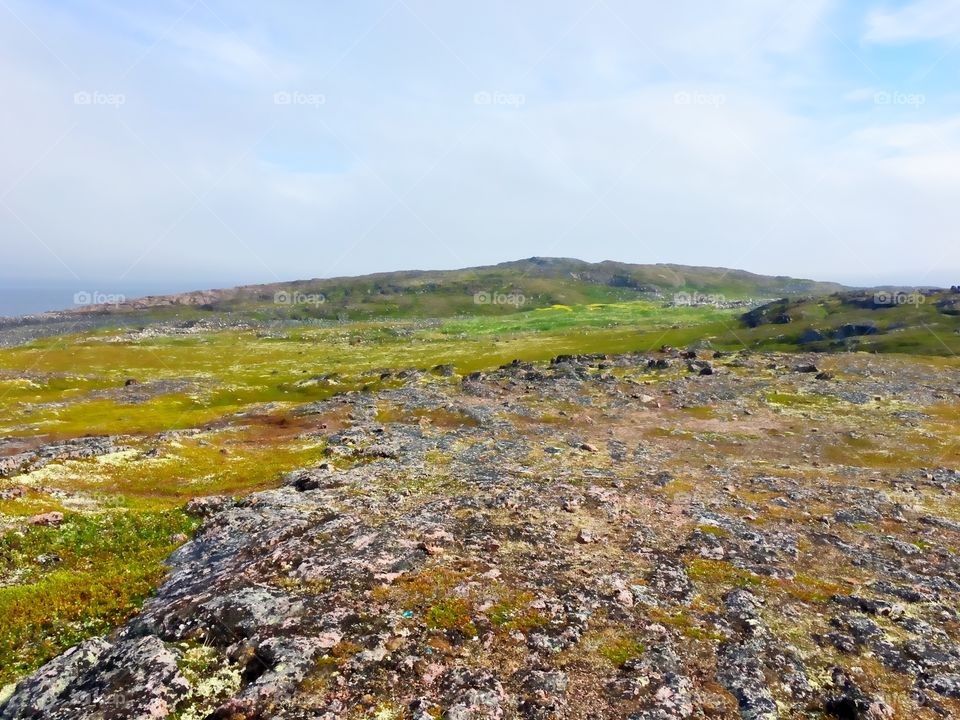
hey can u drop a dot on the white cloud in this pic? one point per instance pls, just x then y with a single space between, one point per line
229 55
861 95
401 169
919 20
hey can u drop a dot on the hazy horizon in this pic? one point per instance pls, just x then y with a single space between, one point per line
26 296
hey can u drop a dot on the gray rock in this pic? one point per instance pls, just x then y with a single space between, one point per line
136 679
38 694
669 579
740 671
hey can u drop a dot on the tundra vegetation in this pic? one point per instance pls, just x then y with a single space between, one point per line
593 509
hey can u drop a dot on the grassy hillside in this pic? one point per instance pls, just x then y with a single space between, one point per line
926 323
495 290
526 284
531 283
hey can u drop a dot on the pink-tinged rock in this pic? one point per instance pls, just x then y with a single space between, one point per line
47 519
328 640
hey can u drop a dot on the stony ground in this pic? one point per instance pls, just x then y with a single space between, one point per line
645 536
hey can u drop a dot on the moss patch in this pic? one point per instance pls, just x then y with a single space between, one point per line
78 580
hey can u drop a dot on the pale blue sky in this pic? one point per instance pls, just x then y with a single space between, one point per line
207 142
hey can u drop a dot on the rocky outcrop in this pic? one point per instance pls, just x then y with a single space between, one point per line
100 680
556 541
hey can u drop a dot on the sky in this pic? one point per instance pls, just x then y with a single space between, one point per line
167 146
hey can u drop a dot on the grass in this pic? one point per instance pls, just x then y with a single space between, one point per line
107 565
232 370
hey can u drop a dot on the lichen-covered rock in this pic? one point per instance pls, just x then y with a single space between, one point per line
137 679
473 695
209 505
38 695
544 541
669 579
740 670
850 702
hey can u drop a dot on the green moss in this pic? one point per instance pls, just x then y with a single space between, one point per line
513 613
713 530
107 566
618 650
698 633
813 590
705 412
718 574
794 399
451 614
230 462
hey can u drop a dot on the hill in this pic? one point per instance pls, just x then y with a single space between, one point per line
918 322
490 290
540 282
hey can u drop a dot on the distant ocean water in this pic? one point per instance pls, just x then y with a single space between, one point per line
24 297
26 300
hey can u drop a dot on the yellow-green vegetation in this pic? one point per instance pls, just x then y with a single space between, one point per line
813 590
513 612
713 530
718 573
716 577
187 381
230 461
619 648
235 393
78 580
212 681
422 589
798 399
452 614
686 623
431 593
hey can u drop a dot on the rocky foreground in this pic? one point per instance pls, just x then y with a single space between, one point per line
650 537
